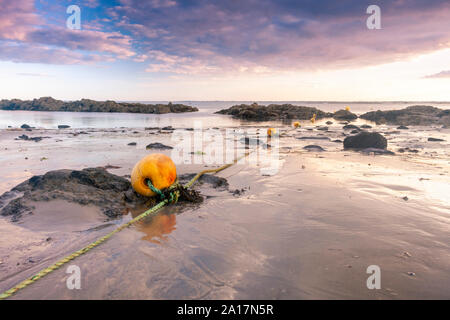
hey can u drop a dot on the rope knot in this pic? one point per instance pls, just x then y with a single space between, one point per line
170 194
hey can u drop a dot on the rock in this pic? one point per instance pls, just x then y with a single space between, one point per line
168 128
322 128
402 128
256 112
108 166
158 145
337 141
86 105
213 180
344 115
329 123
27 138
63 126
93 186
366 126
435 140
364 140
377 151
25 126
114 195
132 144
313 138
350 127
413 115
313 147
354 131
403 150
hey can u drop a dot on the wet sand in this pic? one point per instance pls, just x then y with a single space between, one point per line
309 231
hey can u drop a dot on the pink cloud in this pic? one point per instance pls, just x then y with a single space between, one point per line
90 40
20 24
255 36
442 74
43 54
17 18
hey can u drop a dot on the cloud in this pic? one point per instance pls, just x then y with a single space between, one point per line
207 37
90 3
17 19
89 40
31 74
229 36
442 74
20 52
27 37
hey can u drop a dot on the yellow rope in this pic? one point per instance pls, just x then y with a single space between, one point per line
143 215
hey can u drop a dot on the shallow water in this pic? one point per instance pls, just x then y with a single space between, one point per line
51 120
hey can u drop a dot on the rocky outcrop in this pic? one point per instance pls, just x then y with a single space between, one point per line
258 112
92 186
86 105
414 115
159 146
344 115
97 187
364 140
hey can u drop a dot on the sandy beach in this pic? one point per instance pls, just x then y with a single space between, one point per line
308 230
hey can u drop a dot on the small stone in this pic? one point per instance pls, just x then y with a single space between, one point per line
412 274
313 147
405 198
435 139
158 145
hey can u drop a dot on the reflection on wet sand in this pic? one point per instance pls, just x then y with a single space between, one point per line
158 227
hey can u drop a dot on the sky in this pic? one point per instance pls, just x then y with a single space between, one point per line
252 50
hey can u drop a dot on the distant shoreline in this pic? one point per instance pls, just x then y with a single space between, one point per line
87 105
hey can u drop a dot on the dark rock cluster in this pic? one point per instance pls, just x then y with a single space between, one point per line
113 194
365 140
344 115
414 115
258 112
92 186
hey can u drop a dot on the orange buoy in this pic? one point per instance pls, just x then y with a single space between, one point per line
271 132
156 167
313 119
296 124
347 108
